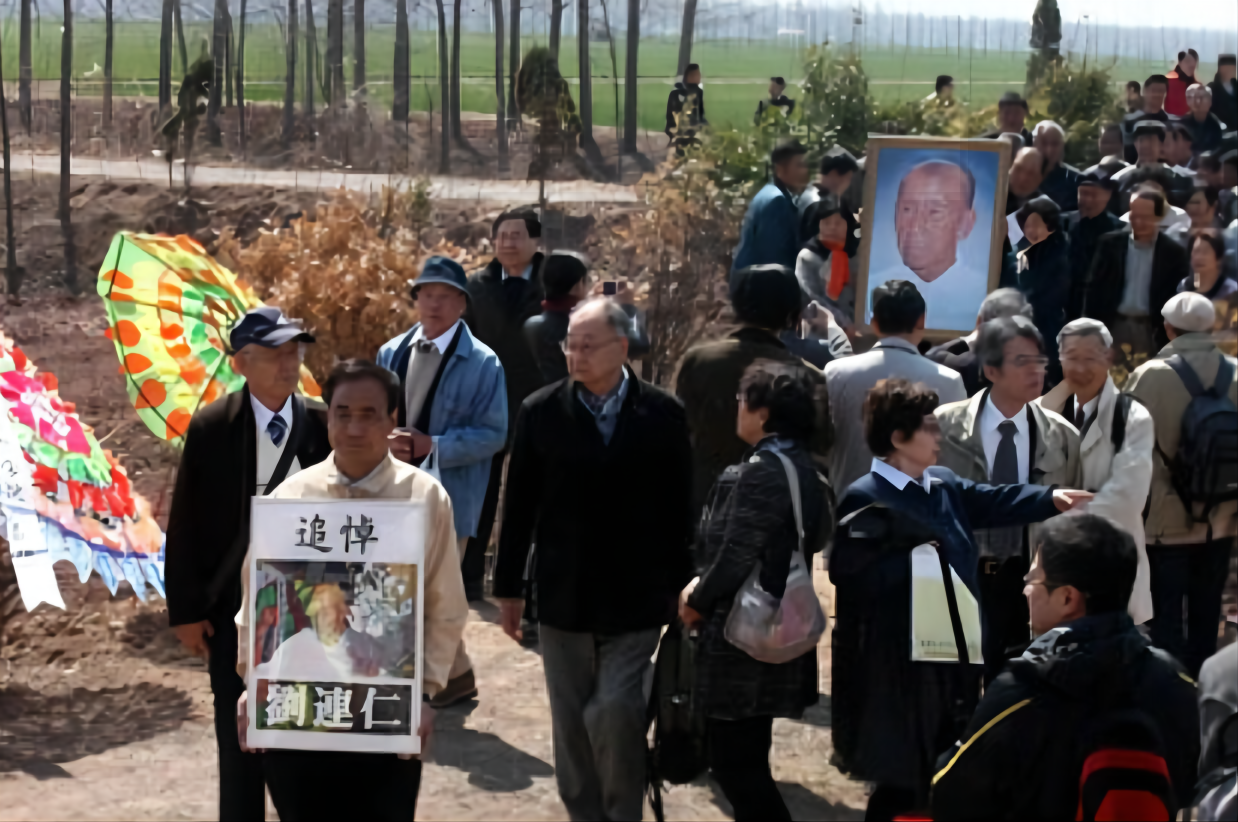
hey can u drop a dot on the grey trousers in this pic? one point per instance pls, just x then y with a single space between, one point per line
596 684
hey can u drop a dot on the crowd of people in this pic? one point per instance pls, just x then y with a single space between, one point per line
1068 465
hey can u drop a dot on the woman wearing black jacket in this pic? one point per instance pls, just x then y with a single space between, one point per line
1043 266
565 276
749 519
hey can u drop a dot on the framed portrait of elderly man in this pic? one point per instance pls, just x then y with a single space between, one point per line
934 214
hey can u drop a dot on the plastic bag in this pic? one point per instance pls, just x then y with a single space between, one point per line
778 630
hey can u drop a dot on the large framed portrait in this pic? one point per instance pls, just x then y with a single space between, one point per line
335 627
934 214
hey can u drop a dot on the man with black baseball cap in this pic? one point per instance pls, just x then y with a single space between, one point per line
1011 113
453 405
237 447
1085 226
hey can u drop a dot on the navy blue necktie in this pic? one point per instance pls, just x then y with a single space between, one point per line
276 429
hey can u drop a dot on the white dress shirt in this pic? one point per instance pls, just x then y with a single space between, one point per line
1089 408
897 478
268 452
524 275
440 342
990 419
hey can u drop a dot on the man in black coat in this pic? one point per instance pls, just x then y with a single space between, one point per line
959 354
1085 227
1225 92
239 446
600 480
1011 114
1133 274
1023 751
502 296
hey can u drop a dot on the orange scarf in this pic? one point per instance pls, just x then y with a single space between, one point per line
840 270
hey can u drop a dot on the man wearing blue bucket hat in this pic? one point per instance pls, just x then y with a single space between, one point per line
453 412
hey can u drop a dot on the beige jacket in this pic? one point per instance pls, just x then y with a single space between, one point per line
1055 458
445 607
1120 480
1157 386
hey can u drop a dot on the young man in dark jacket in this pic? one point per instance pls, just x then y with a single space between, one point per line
502 296
1085 227
685 108
1022 753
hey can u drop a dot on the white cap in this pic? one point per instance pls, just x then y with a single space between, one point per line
1189 311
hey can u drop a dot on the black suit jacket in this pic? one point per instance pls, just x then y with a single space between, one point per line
208 526
1106 280
612 523
958 356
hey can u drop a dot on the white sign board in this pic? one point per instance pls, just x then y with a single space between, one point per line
335 624
932 632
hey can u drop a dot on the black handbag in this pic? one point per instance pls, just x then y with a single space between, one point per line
678 755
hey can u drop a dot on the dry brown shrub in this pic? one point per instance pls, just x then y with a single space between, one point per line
345 274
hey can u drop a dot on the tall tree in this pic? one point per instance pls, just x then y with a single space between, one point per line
630 78
107 66
219 45
685 35
12 274
229 57
290 78
500 115
25 74
335 52
399 104
358 44
311 54
240 77
513 63
178 12
457 130
66 146
165 57
444 93
587 144
556 26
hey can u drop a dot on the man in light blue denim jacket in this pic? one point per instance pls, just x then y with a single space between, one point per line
454 403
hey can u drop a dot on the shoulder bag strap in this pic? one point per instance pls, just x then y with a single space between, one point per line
952 602
299 423
793 480
401 351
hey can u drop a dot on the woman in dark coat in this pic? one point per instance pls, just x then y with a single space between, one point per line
565 276
1043 272
749 519
892 716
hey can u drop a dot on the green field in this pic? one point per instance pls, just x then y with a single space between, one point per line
895 74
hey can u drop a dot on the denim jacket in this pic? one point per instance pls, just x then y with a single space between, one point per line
468 421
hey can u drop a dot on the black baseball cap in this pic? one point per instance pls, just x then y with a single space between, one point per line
1012 98
1095 176
268 327
441 270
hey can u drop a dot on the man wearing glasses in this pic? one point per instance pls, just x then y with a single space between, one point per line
600 481
1000 437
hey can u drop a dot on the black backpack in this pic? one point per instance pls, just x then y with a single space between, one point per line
1205 468
678 755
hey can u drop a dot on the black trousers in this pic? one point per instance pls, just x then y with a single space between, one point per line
739 763
889 801
1197 574
332 785
1005 611
473 568
241 792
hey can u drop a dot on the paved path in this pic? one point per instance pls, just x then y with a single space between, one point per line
442 188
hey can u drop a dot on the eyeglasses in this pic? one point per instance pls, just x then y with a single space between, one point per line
1029 361
584 348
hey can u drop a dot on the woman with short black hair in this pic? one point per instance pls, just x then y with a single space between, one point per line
1043 266
892 716
565 276
1207 261
749 520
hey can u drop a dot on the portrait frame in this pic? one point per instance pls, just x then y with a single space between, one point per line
1001 151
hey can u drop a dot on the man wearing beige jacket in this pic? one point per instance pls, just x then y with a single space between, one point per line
1188 553
363 399
1001 436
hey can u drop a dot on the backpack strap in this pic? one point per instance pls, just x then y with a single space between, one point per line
1188 376
1225 376
1121 408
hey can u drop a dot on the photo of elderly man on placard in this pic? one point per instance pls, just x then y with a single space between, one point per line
931 217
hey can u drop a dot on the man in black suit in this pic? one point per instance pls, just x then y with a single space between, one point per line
1011 114
1085 227
959 354
1133 274
240 446
601 480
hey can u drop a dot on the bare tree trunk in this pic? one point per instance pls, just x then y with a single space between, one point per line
456 130
229 58
500 115
585 106
240 77
685 35
335 52
219 45
311 55
107 66
630 78
399 105
358 45
165 57
444 93
180 36
290 78
556 26
513 63
25 73
12 274
66 146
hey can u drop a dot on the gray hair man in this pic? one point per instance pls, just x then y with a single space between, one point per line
1061 181
1116 439
1203 123
959 354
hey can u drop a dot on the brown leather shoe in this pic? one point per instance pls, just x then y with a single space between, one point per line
458 690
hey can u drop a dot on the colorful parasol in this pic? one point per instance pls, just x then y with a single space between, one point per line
170 308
